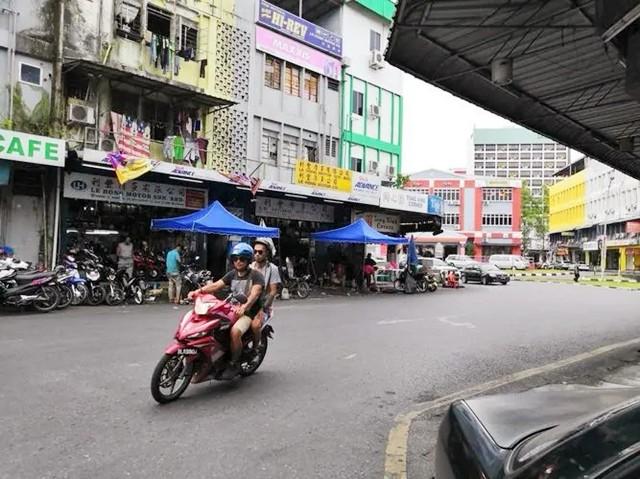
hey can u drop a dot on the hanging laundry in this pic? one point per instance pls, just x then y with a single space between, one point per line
203 144
167 148
191 151
197 125
178 148
153 50
188 125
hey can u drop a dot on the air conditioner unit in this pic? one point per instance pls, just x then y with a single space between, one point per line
374 111
377 60
373 167
90 136
83 114
107 144
391 170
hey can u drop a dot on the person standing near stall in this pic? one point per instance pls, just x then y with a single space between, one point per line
124 252
173 273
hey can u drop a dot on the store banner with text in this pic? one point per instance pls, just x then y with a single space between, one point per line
26 148
381 221
365 189
293 210
323 176
85 186
403 200
293 26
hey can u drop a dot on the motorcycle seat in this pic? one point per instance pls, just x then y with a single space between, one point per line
32 276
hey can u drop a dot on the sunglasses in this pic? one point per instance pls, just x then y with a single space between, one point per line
259 251
236 259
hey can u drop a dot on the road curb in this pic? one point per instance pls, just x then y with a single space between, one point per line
584 283
395 463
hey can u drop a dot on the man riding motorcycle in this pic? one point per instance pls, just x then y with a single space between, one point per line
263 251
242 280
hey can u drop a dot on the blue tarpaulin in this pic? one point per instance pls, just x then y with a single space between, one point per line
357 232
214 219
412 254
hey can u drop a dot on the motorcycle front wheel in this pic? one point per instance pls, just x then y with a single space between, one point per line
398 286
114 296
96 295
421 286
66 296
138 295
80 294
47 299
303 290
170 378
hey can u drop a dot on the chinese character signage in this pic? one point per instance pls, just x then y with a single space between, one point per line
293 210
298 53
322 176
300 29
106 188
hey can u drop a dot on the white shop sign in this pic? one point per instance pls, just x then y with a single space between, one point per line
293 210
27 148
381 222
365 189
85 186
403 200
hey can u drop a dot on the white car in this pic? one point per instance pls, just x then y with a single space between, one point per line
508 261
460 261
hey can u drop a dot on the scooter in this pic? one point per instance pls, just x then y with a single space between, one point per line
199 350
32 289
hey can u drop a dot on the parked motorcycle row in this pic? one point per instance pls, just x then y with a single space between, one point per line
81 278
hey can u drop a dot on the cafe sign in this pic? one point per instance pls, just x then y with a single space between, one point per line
40 150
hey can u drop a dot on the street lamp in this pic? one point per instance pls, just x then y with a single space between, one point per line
603 251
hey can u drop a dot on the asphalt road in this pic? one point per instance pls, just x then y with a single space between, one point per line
75 384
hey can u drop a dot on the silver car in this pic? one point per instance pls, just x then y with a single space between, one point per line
460 261
438 268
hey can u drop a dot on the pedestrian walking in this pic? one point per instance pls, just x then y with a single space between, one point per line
124 252
576 273
173 273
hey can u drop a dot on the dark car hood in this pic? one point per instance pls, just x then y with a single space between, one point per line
509 418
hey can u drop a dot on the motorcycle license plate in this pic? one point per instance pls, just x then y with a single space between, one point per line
187 351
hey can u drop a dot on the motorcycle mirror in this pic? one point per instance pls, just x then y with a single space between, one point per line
240 298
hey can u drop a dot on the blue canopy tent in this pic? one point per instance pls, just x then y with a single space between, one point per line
214 219
357 232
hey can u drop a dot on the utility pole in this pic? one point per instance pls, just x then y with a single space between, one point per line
56 78
603 251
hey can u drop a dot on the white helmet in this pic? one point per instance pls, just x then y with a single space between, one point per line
268 242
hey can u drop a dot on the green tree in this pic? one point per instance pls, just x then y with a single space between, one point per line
535 216
401 181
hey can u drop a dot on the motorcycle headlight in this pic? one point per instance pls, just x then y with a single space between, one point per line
197 335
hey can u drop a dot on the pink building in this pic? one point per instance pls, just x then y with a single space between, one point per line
482 213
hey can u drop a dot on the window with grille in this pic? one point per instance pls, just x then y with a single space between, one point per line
289 149
451 219
497 220
331 147
272 72
333 84
292 80
496 194
357 106
447 194
128 19
356 164
311 81
159 21
269 147
188 39
374 40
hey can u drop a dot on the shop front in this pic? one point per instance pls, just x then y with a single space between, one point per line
30 172
99 213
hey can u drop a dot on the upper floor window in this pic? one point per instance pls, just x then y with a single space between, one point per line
292 80
272 72
188 39
269 147
447 194
30 74
356 164
357 106
311 81
497 194
158 21
333 84
128 19
374 40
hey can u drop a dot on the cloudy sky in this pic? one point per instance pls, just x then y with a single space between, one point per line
438 126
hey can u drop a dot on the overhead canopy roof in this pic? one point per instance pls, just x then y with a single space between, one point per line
179 92
568 83
357 232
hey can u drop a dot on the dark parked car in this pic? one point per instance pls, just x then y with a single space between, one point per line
552 433
484 273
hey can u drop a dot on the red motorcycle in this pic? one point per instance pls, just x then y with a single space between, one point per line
199 350
151 266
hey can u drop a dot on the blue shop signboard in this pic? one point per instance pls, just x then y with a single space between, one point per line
300 29
434 205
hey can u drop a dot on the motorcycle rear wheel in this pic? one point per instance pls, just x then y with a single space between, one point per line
66 296
303 290
49 299
169 369
398 286
138 295
247 368
421 286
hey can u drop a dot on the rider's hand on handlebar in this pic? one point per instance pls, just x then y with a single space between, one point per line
240 310
192 294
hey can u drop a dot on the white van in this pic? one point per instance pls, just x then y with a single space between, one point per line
507 261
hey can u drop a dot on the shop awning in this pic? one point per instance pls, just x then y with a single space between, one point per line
214 219
357 232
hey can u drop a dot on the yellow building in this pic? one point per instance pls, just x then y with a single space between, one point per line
567 203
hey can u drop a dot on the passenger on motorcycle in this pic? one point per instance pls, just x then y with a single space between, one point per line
242 280
263 251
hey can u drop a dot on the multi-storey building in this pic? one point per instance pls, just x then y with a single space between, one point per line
481 215
593 210
517 153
